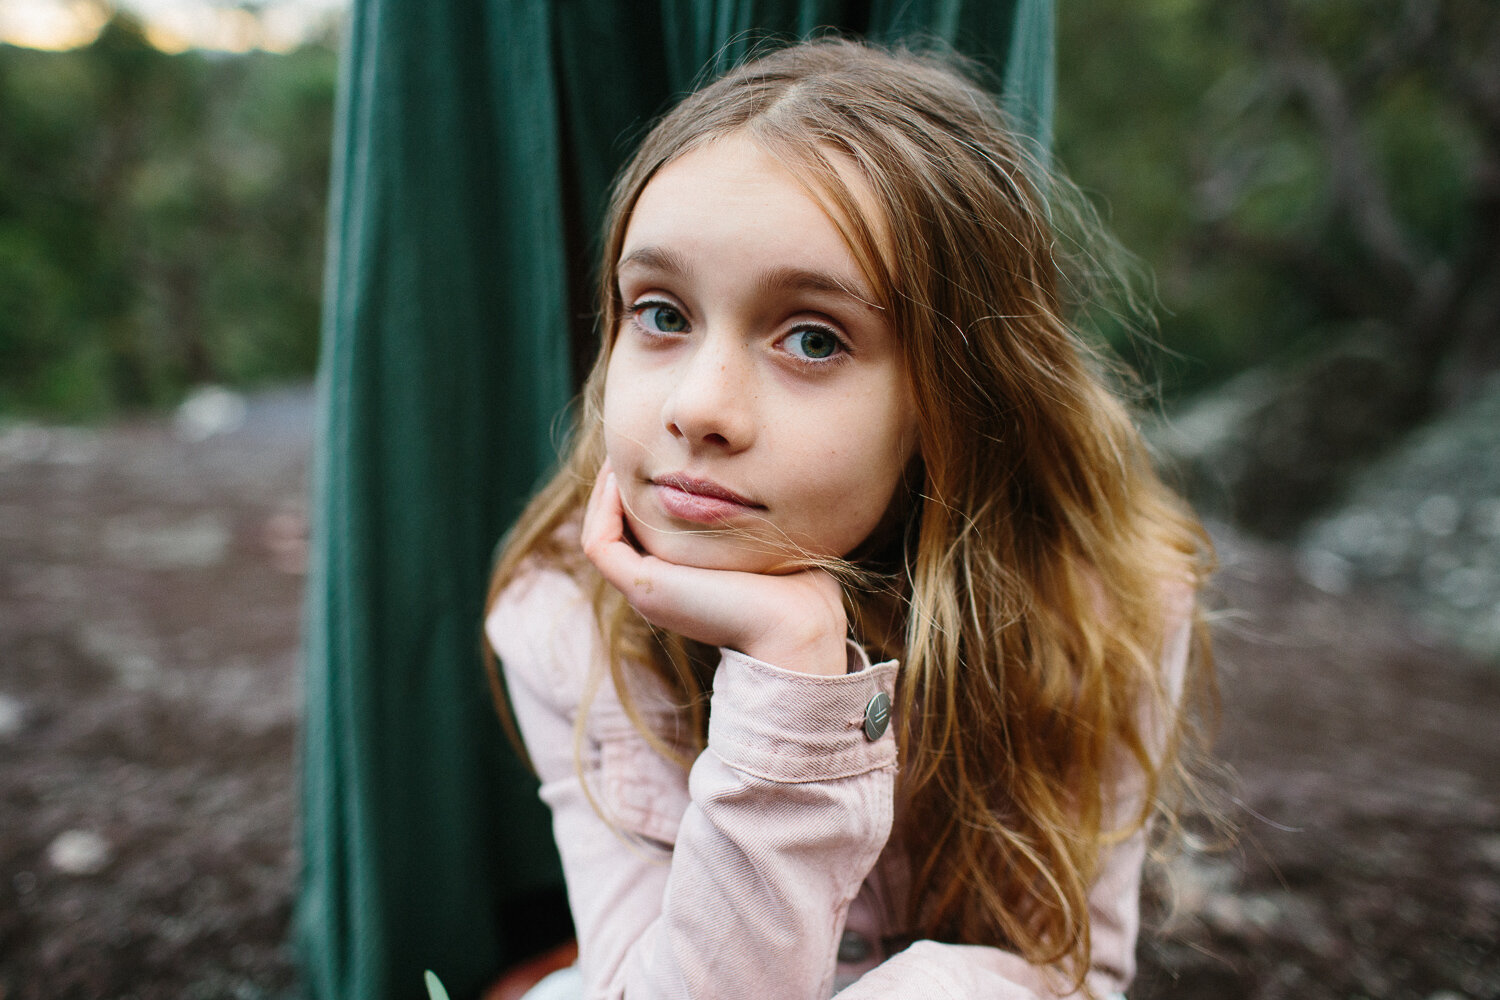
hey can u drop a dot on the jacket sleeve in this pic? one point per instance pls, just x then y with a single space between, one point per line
733 880
928 970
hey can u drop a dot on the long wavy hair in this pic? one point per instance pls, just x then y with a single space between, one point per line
1029 585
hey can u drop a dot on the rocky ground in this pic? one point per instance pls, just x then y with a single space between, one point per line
150 578
1364 767
149 614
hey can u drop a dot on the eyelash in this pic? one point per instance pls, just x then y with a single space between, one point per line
842 354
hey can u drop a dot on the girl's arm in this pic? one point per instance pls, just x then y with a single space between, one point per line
738 885
735 882
930 970
769 848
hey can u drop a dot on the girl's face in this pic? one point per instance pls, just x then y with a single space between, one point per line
756 406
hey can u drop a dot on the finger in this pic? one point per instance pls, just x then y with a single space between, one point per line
597 514
649 584
598 528
604 539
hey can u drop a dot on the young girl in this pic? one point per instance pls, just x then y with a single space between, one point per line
848 642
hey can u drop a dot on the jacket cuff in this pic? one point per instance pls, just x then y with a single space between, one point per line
791 727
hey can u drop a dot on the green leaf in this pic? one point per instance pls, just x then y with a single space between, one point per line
435 989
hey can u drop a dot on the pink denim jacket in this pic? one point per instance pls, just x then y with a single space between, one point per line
766 871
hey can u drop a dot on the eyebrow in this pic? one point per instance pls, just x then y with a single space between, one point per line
777 279
656 259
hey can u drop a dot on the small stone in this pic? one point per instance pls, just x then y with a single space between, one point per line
209 410
76 446
12 716
1487 517
1489 849
1438 515
1355 533
23 443
1329 572
1436 567
1464 587
198 543
78 852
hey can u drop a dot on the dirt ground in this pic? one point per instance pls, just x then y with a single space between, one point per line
149 614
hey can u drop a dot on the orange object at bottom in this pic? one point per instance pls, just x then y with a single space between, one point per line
516 981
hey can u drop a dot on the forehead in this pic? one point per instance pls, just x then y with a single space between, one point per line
732 195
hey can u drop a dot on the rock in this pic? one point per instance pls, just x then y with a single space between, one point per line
78 852
207 411
1424 522
76 446
1277 444
12 716
145 542
22 442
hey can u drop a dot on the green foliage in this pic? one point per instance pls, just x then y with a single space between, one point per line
1290 170
435 990
1294 169
161 221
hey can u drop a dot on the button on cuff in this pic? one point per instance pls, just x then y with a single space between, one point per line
792 727
877 716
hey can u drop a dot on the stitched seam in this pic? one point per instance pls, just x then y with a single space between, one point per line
783 779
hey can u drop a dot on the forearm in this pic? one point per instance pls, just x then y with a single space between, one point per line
790 807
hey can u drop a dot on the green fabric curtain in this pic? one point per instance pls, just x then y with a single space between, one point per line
475 141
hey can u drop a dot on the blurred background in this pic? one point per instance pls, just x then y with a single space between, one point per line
1314 186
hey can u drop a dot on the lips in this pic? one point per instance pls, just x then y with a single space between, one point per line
700 500
704 488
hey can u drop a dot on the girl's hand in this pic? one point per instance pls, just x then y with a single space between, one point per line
794 621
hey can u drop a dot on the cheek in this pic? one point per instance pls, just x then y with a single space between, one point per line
623 391
887 429
878 476
852 493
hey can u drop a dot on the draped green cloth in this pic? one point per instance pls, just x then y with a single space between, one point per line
475 141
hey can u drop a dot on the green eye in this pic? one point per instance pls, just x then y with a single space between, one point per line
661 318
813 344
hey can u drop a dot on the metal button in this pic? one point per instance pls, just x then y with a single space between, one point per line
877 716
853 947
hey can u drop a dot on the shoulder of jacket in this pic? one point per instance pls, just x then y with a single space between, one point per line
542 627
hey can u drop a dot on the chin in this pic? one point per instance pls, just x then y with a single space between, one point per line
725 550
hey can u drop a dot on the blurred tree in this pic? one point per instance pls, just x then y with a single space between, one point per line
161 220
1318 184
1313 181
48 107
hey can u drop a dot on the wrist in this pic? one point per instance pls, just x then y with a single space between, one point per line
824 653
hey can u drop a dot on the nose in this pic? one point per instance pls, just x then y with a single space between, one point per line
711 401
